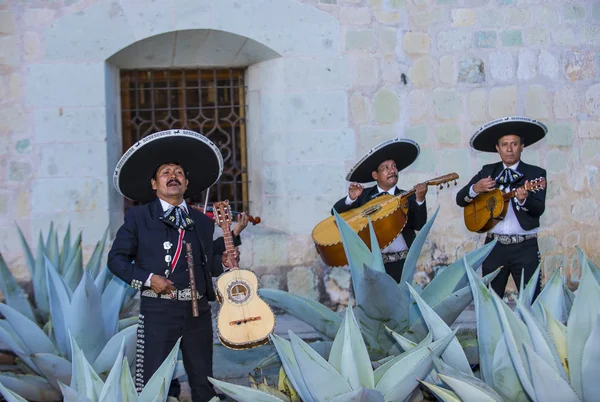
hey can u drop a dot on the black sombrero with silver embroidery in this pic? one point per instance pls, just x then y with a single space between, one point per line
401 150
486 138
197 154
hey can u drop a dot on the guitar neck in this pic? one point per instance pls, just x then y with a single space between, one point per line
229 246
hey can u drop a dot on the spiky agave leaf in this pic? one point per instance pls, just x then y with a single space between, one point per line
34 339
84 380
292 370
244 394
31 387
526 294
112 300
443 394
505 379
59 301
9 395
52 247
349 355
156 384
393 360
112 391
54 368
317 315
95 262
553 298
66 246
129 394
453 354
107 356
548 385
73 270
377 260
360 395
467 386
14 295
29 260
402 378
14 343
558 334
40 289
580 323
323 381
489 329
590 364
71 395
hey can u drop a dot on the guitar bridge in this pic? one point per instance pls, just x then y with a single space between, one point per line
244 321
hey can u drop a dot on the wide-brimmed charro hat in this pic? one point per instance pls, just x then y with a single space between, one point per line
486 138
401 150
199 156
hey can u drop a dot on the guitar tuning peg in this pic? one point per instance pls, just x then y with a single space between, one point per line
441 186
447 185
455 183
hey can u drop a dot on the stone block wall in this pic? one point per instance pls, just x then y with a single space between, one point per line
350 74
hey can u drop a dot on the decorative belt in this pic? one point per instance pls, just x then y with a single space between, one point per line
510 239
180 295
393 257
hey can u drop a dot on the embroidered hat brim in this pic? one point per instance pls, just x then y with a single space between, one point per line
401 150
197 154
486 138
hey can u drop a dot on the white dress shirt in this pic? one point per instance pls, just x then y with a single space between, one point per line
399 244
165 206
510 224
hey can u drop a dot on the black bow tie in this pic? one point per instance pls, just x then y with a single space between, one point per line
178 218
509 176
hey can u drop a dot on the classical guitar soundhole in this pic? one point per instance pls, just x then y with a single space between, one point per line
238 292
490 205
371 210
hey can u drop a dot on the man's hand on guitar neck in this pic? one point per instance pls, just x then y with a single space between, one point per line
420 191
521 193
232 262
484 185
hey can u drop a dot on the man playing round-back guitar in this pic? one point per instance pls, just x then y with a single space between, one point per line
382 164
517 249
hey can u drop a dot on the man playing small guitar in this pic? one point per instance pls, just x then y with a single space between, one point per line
382 165
516 227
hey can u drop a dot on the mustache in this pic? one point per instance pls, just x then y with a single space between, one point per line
392 175
173 181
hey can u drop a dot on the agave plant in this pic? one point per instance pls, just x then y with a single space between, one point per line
347 374
548 350
86 384
380 301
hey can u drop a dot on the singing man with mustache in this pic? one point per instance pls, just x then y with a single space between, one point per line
382 164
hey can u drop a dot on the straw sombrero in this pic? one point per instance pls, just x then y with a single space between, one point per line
486 138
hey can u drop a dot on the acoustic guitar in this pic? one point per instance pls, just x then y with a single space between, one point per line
244 320
487 209
387 213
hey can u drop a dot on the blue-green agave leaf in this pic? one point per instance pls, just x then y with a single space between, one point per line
159 395
515 336
34 339
405 343
392 360
14 295
443 394
112 387
28 254
553 298
72 250
547 383
66 246
272 360
360 395
127 322
453 277
127 385
315 314
164 375
291 368
349 355
244 394
558 334
12 341
448 309
84 379
112 299
542 342
103 278
53 367
453 354
95 262
30 387
410 264
569 297
526 295
52 247
402 378
73 271
59 307
505 378
579 325
489 329
357 252
322 379
590 364
467 391
377 262
84 315
376 307
109 353
9 395
469 383
71 395
593 267
40 288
